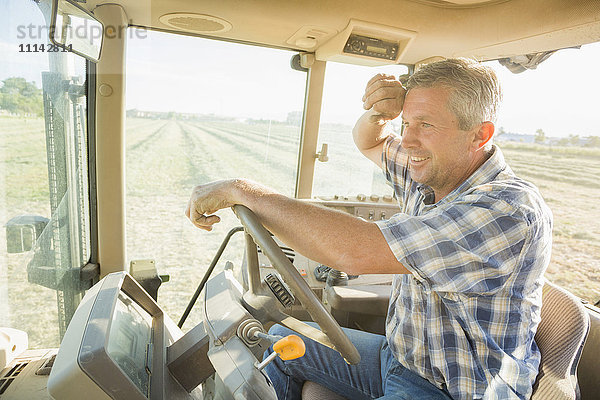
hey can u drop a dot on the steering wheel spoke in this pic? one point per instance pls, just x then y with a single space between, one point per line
303 328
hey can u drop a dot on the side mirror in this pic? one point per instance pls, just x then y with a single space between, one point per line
74 29
23 231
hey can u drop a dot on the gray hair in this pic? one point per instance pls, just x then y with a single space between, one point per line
474 88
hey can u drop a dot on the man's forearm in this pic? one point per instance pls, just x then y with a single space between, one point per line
369 134
330 237
369 131
384 98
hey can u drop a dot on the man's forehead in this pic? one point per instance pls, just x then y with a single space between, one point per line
424 102
439 93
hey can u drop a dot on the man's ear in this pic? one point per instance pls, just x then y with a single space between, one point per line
483 135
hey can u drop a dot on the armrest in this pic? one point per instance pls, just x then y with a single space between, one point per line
363 299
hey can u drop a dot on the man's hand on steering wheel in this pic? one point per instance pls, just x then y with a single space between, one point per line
206 199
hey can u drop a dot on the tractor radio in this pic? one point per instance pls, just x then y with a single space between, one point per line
371 47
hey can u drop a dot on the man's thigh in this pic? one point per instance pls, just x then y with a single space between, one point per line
326 367
400 383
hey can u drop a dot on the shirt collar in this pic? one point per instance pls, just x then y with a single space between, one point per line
485 173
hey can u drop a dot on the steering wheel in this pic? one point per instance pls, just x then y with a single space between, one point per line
262 302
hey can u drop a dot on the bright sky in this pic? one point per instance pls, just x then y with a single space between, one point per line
185 74
560 96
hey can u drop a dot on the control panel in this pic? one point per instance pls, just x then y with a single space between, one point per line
369 207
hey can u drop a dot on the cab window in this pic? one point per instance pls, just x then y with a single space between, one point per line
200 110
548 131
347 173
44 189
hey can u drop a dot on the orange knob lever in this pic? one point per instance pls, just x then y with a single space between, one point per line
290 347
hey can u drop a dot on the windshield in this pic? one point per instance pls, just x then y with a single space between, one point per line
200 110
347 172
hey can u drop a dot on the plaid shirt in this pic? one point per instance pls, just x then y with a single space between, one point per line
466 316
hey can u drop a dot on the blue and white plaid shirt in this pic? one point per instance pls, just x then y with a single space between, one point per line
466 316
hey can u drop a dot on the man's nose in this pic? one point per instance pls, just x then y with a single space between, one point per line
409 137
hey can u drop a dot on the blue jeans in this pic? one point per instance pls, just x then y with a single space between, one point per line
378 375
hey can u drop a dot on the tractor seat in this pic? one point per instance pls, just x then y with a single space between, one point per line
560 337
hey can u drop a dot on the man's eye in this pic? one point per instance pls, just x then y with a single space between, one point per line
426 125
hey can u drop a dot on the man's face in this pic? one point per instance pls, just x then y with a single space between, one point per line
440 154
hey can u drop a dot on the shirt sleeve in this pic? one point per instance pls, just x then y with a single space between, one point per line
468 246
394 162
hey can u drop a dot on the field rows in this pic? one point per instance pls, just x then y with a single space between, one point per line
274 166
165 161
193 153
280 136
583 174
569 184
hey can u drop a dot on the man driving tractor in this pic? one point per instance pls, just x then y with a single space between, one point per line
468 250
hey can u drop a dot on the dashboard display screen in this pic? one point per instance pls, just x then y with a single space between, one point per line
130 341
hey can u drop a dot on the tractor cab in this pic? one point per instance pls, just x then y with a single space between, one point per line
112 111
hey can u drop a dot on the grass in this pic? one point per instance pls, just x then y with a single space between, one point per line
165 161
592 153
23 155
167 158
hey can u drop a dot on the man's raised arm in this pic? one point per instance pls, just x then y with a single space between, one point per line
383 98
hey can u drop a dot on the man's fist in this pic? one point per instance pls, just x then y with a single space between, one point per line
384 94
206 200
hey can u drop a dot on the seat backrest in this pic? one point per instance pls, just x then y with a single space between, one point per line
560 338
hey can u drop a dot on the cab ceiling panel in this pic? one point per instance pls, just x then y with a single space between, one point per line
482 29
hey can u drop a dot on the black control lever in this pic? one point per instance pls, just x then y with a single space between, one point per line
333 277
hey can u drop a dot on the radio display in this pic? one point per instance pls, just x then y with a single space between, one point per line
376 49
